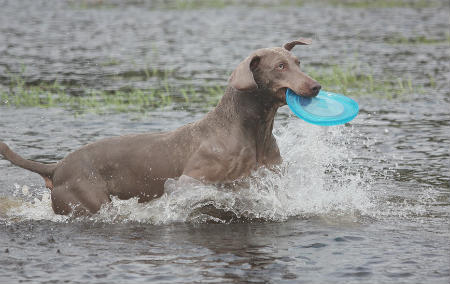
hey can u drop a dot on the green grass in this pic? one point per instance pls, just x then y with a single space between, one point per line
110 62
91 4
128 99
399 39
350 80
383 3
198 4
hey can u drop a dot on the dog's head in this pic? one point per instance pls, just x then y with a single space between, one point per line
275 70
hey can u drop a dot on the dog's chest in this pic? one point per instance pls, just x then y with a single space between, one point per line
237 161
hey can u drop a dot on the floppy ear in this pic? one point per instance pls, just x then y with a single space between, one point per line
242 77
300 41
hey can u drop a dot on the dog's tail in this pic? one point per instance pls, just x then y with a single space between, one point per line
45 170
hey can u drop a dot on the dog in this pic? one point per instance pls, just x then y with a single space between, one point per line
228 143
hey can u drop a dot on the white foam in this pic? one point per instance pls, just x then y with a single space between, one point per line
39 208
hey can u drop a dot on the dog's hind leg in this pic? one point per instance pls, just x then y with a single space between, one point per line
63 200
79 198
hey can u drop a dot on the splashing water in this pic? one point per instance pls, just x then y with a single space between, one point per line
317 178
34 208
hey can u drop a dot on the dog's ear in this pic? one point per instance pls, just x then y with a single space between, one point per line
300 41
242 77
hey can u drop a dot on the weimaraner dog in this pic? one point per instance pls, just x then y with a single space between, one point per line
228 143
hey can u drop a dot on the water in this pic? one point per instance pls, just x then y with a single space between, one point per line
368 202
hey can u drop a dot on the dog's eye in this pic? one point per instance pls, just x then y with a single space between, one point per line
297 62
281 66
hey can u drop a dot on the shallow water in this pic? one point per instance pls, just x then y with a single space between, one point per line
366 202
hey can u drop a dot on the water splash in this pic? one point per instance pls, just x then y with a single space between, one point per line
26 206
317 177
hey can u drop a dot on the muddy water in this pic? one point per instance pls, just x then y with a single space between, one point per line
366 202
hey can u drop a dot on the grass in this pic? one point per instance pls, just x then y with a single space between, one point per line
110 62
399 39
198 4
128 99
351 80
383 3
91 4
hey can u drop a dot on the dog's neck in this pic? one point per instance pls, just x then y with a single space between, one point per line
252 111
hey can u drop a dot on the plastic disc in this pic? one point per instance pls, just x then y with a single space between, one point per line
325 109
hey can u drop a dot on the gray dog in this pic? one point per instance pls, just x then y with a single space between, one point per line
231 140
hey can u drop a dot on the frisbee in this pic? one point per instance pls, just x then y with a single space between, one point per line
325 109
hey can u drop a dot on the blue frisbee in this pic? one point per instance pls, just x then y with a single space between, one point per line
325 109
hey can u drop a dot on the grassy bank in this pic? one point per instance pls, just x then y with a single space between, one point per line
129 99
350 80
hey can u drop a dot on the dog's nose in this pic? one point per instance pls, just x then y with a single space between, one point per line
315 89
